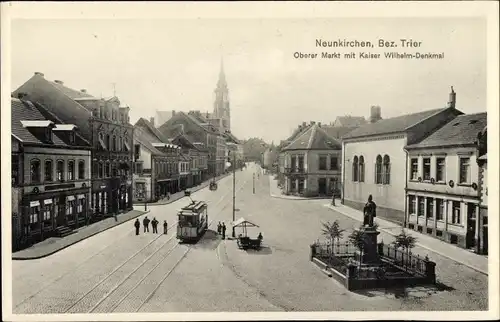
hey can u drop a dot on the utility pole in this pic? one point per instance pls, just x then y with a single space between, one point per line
253 182
234 191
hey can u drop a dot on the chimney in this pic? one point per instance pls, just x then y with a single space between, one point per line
304 124
453 98
39 74
59 82
83 90
375 114
152 120
319 124
173 113
21 95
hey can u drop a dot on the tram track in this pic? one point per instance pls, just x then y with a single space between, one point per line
99 298
115 244
134 301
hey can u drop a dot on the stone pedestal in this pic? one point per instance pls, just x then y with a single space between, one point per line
370 251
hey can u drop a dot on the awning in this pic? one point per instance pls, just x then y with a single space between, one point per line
47 201
81 196
69 198
35 203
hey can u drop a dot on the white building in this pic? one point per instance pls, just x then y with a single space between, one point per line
374 160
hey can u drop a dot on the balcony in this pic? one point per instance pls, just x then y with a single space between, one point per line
297 171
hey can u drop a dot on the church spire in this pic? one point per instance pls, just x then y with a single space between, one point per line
222 84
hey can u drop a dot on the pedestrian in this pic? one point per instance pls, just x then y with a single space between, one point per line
219 228
154 223
165 227
115 215
145 222
333 199
137 225
223 231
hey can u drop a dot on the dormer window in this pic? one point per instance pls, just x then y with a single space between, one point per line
72 137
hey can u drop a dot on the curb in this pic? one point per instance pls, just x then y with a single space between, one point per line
477 269
288 198
198 188
77 241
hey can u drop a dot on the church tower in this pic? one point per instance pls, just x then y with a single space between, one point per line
221 103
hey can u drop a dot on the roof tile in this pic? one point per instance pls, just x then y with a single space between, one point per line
463 129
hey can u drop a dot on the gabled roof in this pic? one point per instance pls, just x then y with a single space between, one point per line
182 140
145 123
71 93
314 138
350 121
142 137
392 125
462 130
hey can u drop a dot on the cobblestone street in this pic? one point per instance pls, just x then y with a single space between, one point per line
116 271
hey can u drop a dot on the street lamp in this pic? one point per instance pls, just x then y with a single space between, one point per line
234 191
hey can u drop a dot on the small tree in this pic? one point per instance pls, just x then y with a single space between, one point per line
332 231
405 241
357 238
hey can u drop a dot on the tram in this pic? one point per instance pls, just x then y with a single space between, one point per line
192 221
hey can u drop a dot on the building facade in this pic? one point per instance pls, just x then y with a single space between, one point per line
442 192
103 123
482 243
50 176
375 161
313 164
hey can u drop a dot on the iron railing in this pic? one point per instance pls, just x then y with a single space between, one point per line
405 260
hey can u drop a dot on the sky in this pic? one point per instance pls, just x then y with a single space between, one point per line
173 64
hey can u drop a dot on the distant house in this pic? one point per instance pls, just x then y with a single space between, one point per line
312 163
443 182
375 162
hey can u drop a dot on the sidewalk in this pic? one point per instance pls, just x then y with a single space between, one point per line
178 195
53 245
275 192
463 256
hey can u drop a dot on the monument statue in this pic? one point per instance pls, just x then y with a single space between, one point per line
369 212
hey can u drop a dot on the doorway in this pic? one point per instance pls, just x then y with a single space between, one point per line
322 187
471 225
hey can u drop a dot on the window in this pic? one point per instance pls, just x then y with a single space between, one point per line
101 169
46 212
440 169
15 169
334 163
48 171
387 170
293 185
108 142
421 206
34 213
301 185
293 163
113 143
72 137
35 170
439 233
430 208
464 170
48 134
429 231
69 207
81 169
301 163
81 202
378 170
71 170
427 169
60 170
439 209
361 174
412 204
107 168
414 168
455 217
355 169
322 163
